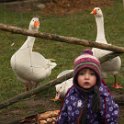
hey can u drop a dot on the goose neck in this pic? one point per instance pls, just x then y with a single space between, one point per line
28 43
100 30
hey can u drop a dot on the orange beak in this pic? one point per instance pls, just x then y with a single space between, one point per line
36 24
93 12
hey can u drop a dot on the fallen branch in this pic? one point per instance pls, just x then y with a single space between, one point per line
60 38
109 56
46 86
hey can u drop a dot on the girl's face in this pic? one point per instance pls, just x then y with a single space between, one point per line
86 78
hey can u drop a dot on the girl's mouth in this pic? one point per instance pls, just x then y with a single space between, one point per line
86 83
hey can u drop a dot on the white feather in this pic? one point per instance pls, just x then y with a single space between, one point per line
112 66
29 65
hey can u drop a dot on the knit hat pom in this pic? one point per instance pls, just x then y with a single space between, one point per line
87 51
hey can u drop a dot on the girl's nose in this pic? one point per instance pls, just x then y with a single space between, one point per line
86 76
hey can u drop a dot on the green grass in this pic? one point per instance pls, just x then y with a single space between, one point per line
80 25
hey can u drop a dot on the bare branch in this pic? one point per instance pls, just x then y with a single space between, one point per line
60 38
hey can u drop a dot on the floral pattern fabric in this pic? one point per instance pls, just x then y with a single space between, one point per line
74 105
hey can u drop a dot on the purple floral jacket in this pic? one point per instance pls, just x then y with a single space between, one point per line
73 106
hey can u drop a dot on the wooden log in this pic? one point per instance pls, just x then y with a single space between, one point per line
55 37
45 86
109 57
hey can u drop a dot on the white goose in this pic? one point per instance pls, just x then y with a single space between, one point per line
112 66
62 88
30 67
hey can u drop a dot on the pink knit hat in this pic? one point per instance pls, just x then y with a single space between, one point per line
87 60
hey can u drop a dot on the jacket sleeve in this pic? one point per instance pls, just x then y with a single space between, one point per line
63 116
111 110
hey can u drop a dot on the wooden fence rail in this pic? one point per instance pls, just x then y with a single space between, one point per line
55 37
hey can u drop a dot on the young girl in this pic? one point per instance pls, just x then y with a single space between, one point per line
88 101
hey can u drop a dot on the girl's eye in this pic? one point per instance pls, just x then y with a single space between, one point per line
81 73
92 73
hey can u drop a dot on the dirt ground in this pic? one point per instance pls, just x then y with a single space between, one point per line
73 6
28 114
32 108
58 7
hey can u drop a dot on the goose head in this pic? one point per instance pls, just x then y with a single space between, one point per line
60 91
97 12
34 24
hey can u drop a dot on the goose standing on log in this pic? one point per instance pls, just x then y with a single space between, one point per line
111 66
30 67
